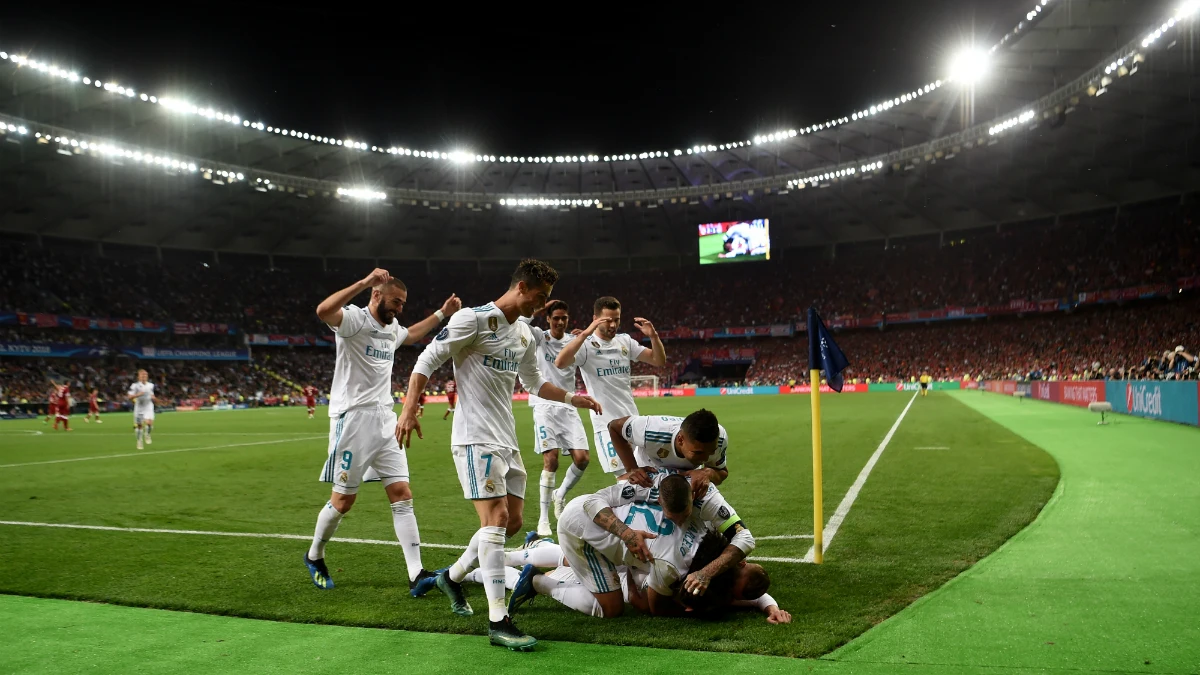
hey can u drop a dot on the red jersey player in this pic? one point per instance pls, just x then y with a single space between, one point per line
93 407
310 399
51 403
62 407
451 397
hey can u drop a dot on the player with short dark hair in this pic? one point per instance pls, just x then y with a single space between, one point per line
696 444
93 407
489 348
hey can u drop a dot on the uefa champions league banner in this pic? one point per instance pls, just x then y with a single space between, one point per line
182 354
265 340
42 320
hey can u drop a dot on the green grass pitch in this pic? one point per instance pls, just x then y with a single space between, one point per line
950 488
712 245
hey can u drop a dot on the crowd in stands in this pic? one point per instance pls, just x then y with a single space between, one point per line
1157 243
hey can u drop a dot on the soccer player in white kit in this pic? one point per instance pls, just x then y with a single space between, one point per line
142 395
696 445
489 347
556 426
605 358
745 239
362 424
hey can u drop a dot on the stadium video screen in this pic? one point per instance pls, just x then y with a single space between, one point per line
735 241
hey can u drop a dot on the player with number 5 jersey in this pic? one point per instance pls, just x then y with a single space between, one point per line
605 359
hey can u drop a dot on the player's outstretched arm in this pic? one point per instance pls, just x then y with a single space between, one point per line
657 355
420 329
330 309
566 357
552 392
408 422
634 474
635 540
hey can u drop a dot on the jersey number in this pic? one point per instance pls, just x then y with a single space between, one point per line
487 469
652 515
346 457
612 452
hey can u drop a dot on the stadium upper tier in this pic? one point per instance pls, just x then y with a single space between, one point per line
1084 106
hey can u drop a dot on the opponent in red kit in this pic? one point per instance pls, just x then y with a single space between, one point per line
62 407
51 403
451 397
310 399
421 405
93 407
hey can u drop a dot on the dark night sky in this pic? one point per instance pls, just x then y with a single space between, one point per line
627 81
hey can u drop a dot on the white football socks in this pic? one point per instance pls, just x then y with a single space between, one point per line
544 554
570 592
405 523
511 575
467 561
547 496
327 524
569 481
491 563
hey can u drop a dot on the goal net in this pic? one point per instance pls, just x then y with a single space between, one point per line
644 385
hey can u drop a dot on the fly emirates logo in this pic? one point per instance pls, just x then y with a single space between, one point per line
1144 399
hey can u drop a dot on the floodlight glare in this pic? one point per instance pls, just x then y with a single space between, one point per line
969 66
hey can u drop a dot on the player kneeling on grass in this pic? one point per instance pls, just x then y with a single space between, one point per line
696 445
648 507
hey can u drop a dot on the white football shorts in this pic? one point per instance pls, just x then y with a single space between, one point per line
489 471
359 440
557 428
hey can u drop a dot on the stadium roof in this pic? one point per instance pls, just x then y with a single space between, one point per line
1044 133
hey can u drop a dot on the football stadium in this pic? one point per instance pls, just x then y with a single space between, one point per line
898 372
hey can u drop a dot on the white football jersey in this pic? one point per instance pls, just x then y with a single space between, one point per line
145 396
606 368
673 549
362 373
653 441
746 237
489 353
546 350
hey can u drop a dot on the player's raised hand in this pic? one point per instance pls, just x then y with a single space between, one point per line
596 323
576 331
377 277
587 403
645 326
696 583
778 616
635 541
405 426
451 305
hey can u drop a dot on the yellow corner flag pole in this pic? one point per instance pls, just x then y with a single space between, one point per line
818 506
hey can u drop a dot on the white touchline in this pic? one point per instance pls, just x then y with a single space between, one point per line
252 535
835 521
931 447
268 535
783 536
161 452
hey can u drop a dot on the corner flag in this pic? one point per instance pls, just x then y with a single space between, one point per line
823 352
823 355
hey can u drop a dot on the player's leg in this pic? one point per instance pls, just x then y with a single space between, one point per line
545 444
138 424
148 420
595 587
338 469
541 553
391 463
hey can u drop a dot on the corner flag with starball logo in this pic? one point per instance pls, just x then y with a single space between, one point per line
823 356
823 352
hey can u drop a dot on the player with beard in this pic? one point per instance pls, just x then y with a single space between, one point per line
361 432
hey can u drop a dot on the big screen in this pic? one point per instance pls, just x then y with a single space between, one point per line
735 241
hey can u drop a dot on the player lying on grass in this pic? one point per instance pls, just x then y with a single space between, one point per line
696 445
747 587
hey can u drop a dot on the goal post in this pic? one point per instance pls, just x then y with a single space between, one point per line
647 384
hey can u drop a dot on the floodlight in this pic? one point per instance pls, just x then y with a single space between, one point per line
969 66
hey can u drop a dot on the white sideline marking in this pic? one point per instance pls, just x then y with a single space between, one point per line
835 521
931 447
162 452
784 536
266 535
21 432
782 560
252 535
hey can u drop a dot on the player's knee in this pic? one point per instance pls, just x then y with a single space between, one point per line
514 524
550 461
342 502
398 492
581 462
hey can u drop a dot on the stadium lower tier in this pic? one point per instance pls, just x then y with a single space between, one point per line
1135 341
